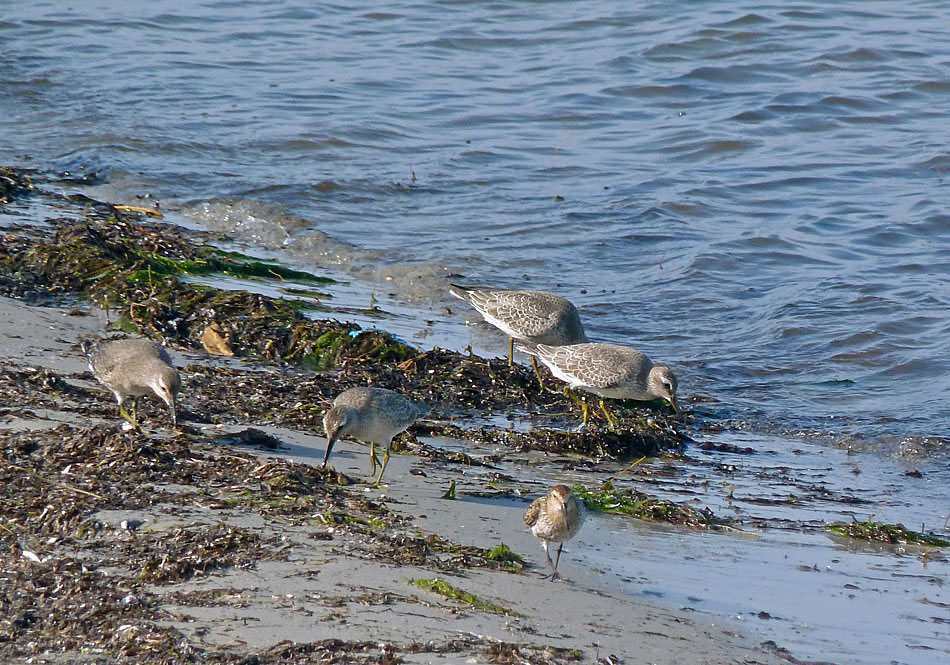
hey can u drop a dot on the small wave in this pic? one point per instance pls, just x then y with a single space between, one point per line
268 226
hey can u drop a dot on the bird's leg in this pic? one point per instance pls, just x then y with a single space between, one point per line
577 400
511 351
545 544
566 390
537 373
610 419
125 414
373 460
383 468
552 564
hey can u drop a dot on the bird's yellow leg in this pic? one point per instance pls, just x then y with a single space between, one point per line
537 373
373 460
610 419
577 400
383 468
127 417
511 351
574 398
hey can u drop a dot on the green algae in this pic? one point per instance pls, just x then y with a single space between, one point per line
137 271
885 533
609 499
503 554
209 261
446 590
449 494
235 264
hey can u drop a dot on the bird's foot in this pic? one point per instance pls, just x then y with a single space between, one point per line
130 423
612 422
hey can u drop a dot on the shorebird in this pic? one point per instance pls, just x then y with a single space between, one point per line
132 368
555 518
374 415
607 370
533 317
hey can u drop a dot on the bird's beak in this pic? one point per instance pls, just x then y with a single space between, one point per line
330 441
174 412
676 407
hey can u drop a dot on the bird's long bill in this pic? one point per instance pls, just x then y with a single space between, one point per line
676 407
330 441
174 413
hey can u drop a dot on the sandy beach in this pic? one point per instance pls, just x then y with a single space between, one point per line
222 543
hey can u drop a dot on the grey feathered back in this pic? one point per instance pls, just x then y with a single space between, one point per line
532 316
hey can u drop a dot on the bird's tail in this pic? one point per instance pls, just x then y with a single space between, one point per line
461 292
529 348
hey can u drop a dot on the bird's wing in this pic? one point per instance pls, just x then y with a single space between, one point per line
531 514
595 365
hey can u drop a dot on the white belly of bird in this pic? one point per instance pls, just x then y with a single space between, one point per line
379 432
620 392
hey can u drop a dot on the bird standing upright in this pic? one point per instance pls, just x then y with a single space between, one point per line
555 518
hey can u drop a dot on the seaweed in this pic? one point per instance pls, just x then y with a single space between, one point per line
443 588
885 533
608 499
136 269
504 554
189 552
432 551
13 183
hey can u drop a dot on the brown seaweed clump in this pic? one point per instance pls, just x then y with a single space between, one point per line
146 274
13 183
80 581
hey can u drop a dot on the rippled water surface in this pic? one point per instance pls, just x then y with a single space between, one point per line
753 193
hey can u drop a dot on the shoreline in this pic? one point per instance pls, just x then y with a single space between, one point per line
249 521
236 562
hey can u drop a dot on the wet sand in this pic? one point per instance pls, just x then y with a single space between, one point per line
310 577
225 540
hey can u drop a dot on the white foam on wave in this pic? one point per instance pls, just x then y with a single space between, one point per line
268 227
